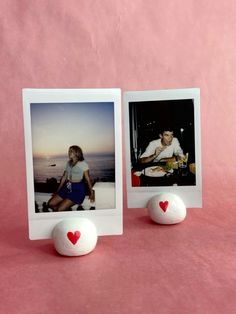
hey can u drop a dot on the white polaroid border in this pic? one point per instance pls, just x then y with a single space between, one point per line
108 221
137 197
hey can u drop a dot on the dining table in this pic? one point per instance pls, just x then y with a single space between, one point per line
160 174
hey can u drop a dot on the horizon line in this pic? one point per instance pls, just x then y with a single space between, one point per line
65 155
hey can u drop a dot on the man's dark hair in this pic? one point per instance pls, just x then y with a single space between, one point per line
165 128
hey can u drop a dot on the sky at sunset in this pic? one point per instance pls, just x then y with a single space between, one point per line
56 126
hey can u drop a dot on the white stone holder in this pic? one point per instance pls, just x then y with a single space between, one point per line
166 208
75 237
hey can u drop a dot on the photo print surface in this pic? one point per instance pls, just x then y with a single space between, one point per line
163 145
73 157
57 127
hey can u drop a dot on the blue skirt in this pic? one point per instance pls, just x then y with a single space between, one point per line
74 191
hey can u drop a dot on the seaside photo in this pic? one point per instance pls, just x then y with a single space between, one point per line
73 158
56 127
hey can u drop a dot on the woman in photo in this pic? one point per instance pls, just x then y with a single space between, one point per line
72 189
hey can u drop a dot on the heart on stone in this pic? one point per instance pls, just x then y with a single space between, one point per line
73 236
164 205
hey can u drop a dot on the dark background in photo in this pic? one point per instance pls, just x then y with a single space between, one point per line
147 118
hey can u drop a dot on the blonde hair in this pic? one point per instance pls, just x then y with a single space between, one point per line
78 152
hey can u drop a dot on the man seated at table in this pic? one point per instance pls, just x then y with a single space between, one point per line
166 148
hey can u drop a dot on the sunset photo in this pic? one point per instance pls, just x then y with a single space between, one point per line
57 126
73 151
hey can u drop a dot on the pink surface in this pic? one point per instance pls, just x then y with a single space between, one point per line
184 268
133 45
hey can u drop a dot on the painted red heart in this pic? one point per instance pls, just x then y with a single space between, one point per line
73 237
164 205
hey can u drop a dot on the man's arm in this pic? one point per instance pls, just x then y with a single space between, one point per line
144 160
168 159
177 148
150 158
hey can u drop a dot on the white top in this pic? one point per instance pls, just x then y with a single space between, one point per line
173 149
75 173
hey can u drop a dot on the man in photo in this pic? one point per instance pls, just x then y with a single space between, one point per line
164 149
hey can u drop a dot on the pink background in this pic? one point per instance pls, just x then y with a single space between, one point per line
134 45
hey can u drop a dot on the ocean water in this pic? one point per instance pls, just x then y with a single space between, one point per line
101 167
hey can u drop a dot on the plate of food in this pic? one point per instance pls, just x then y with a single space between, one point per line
156 171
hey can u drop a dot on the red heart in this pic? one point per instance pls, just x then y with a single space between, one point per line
164 205
73 237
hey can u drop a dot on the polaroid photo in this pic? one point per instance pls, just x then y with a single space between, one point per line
73 158
162 143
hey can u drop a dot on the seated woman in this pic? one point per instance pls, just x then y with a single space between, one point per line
71 189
